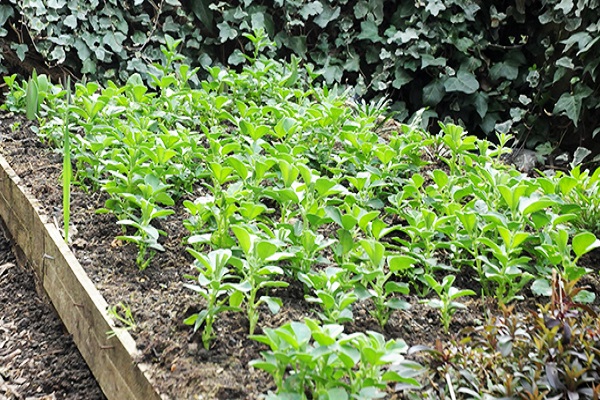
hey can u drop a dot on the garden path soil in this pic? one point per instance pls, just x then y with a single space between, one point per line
159 302
38 359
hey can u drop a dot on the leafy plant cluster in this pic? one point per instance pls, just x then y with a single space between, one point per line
548 354
281 180
528 68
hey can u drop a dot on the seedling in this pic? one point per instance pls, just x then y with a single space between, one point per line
309 360
447 302
217 286
332 292
121 313
258 272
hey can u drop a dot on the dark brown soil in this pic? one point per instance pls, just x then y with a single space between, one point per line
38 359
159 302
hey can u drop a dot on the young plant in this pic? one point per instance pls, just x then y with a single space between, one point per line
258 272
145 236
504 266
447 302
373 279
332 292
121 313
217 286
37 87
313 361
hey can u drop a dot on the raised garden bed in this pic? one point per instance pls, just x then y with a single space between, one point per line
77 301
282 194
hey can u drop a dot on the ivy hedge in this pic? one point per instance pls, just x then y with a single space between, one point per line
528 67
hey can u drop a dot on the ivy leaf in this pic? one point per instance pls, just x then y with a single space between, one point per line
565 62
203 12
505 69
327 15
570 106
56 4
361 9
226 32
6 12
480 101
580 154
369 31
58 54
401 77
435 7
20 49
429 60
83 51
565 5
464 82
433 93
309 9
114 40
404 36
71 21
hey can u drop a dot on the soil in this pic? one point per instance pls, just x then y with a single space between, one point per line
38 359
182 368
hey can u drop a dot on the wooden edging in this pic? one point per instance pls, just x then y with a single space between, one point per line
78 303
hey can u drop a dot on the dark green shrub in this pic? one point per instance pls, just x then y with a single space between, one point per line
523 66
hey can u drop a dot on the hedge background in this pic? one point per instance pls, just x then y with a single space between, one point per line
521 66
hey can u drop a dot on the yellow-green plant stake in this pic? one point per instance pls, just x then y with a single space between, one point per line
67 165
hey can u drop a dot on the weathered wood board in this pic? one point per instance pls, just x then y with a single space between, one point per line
78 303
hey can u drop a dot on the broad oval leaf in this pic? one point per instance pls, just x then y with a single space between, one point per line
464 82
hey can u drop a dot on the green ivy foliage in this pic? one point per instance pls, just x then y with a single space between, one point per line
524 66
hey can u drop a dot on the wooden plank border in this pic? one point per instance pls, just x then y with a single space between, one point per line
78 303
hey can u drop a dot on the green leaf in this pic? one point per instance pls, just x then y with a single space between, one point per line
114 40
31 98
226 32
310 9
202 11
400 263
327 15
585 297
570 106
6 11
433 93
273 303
541 287
369 31
480 101
265 249
337 394
584 242
396 287
455 293
464 82
70 21
244 238
435 7
506 69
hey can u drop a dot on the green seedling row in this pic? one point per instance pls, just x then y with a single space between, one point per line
285 179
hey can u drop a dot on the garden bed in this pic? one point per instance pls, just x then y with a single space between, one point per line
257 222
178 365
